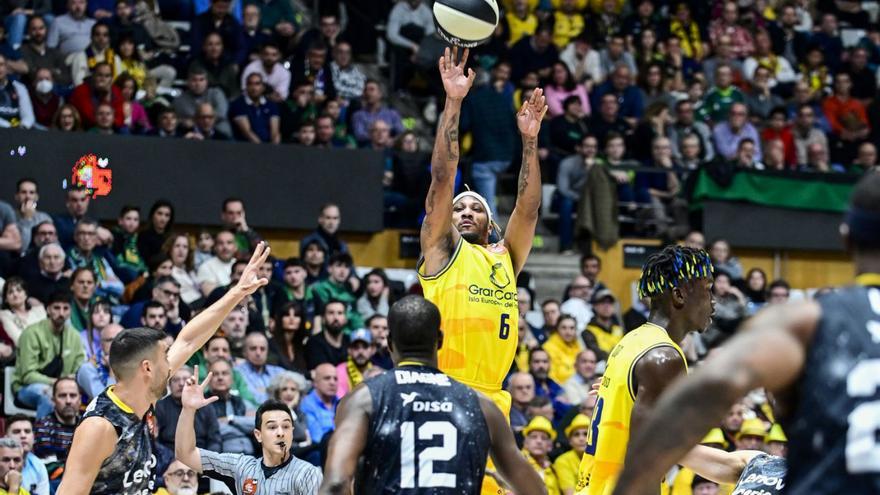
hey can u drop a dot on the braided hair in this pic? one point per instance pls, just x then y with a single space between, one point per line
672 266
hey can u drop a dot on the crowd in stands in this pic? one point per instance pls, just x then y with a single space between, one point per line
632 86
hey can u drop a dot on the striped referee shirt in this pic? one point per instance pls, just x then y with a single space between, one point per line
295 477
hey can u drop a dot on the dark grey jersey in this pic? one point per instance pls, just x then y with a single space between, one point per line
427 435
764 475
833 429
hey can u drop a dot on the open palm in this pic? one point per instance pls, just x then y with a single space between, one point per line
456 82
250 281
193 396
530 115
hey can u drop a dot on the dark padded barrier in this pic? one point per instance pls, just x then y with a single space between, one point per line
282 186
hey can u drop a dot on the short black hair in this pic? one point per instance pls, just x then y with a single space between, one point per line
591 256
150 305
270 405
132 346
571 100
232 199
538 349
340 259
540 401
166 279
156 260
19 417
127 208
61 379
778 283
334 301
294 262
550 301
62 296
414 326
375 316
21 181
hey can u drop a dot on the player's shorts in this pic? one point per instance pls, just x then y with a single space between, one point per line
503 400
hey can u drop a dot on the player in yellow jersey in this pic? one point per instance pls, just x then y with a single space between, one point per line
678 280
471 280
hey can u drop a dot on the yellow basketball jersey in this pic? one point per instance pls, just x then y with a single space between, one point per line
609 431
476 295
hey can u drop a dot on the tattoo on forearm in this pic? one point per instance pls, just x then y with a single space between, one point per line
529 152
450 134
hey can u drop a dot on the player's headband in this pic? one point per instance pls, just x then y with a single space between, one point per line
686 264
862 227
468 193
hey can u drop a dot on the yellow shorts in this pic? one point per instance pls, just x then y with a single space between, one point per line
501 399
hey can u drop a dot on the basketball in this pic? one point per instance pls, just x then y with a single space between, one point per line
466 23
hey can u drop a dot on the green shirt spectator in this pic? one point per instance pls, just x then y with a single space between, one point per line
336 288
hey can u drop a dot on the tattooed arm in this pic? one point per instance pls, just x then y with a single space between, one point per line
438 236
521 227
768 352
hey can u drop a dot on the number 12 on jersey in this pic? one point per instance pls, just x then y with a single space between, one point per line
428 478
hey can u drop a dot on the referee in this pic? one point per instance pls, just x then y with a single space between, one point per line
278 472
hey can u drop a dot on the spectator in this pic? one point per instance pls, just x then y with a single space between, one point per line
614 55
44 100
277 16
819 161
522 391
780 71
287 348
805 132
18 312
534 53
216 271
197 92
235 417
654 86
378 327
777 129
37 55
34 477
256 119
519 21
11 466
685 125
288 388
719 100
563 347
690 160
256 372
218 347
179 479
99 317
168 412
760 101
722 259
126 25
727 135
376 299
774 155
168 125
180 252
728 25
577 301
218 19
646 48
373 110
655 124
295 290
87 253
205 124
221 68
15 102
608 120
582 61
315 253
99 88
70 33
99 50
67 119
53 433
408 24
274 75
26 214
702 486
104 121
603 332
815 73
234 219
329 345
578 387
166 292
730 310
538 438
629 97
50 277
337 287
866 159
828 38
789 41
254 35
327 232
154 316
723 55
94 375
539 368
319 406
847 116
642 18
568 130
745 155
864 80
693 36
568 23
563 86
348 79
313 69
353 371
327 32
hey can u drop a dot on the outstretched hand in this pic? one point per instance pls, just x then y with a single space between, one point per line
250 281
456 82
193 396
530 115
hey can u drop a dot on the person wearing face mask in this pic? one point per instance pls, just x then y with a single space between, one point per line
43 98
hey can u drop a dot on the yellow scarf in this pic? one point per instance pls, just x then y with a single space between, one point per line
691 44
770 62
109 57
355 377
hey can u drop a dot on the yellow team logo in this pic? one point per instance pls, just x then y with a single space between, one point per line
499 276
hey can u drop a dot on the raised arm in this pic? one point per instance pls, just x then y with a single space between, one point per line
768 352
521 227
192 399
199 330
717 465
438 236
347 442
512 466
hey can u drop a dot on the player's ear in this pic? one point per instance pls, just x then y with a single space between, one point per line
439 339
844 236
258 435
677 295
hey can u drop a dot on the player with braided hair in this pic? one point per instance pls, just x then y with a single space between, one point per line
678 281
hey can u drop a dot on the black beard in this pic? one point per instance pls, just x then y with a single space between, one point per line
334 330
472 237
